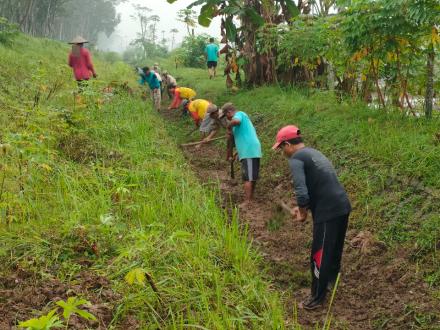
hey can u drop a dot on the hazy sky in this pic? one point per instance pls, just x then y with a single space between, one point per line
128 27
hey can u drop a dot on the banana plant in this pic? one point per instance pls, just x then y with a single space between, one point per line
243 10
251 15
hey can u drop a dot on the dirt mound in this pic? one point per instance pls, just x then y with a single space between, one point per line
80 148
24 295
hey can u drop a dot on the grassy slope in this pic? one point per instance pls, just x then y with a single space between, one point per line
389 163
109 175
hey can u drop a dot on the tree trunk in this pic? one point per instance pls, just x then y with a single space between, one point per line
429 82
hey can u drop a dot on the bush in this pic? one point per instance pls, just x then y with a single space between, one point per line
192 51
8 31
110 57
141 53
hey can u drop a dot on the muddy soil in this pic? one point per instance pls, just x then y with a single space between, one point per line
379 289
25 295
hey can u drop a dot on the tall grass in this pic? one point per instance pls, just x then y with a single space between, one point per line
110 176
388 161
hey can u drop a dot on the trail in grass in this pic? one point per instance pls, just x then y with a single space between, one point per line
379 289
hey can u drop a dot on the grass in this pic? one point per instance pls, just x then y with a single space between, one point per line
389 162
104 182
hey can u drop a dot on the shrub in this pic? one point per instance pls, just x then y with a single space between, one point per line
8 31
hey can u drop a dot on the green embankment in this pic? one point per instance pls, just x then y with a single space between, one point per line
389 162
102 189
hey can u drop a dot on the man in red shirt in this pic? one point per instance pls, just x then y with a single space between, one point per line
81 62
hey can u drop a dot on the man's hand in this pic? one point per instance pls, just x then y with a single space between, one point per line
95 75
232 158
299 214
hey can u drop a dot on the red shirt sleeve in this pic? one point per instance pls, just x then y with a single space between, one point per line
176 101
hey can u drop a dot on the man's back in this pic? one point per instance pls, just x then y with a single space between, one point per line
246 139
316 184
212 52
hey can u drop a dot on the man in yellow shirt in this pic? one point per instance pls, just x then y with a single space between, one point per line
197 109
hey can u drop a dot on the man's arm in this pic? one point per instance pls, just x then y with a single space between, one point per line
300 186
234 122
210 135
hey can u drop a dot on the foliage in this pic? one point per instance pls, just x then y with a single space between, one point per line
101 182
192 51
110 57
71 307
188 17
52 320
139 56
146 39
373 47
8 31
136 275
62 19
388 162
373 50
45 322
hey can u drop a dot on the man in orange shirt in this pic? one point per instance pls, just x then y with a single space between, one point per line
180 94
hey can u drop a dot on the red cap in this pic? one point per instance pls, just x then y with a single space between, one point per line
286 133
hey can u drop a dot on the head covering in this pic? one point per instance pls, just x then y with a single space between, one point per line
287 133
165 72
227 107
211 109
185 103
78 40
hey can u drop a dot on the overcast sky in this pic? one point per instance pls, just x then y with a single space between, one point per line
128 28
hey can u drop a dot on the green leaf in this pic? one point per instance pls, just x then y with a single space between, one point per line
86 315
206 15
254 16
293 9
231 10
136 275
45 322
71 307
231 29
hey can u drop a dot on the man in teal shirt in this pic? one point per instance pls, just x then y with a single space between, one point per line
248 147
212 54
150 78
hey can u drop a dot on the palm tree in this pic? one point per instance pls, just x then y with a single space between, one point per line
173 38
189 17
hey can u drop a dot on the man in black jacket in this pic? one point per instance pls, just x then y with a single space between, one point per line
317 189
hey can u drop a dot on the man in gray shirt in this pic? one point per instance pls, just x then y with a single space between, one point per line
317 189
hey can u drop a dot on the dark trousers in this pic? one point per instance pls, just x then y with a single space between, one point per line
327 247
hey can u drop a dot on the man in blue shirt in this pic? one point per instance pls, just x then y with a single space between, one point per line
248 147
149 77
212 54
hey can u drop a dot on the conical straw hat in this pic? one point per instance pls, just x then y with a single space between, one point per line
78 40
